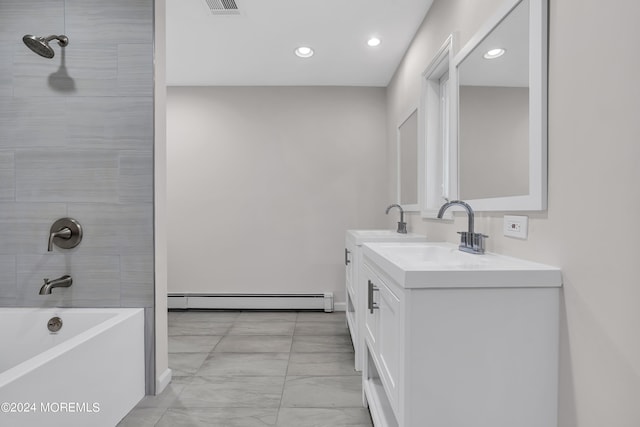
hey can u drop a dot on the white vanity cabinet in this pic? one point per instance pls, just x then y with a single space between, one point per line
459 340
383 327
355 287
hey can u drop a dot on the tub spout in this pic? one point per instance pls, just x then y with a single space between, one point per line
61 282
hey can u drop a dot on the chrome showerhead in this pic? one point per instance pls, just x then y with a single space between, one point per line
40 45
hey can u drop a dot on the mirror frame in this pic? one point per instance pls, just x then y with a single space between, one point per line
536 200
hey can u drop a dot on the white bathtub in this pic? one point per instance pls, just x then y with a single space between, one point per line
90 373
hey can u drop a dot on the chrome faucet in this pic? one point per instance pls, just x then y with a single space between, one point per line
402 226
469 240
61 282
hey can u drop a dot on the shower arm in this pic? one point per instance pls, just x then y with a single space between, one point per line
62 40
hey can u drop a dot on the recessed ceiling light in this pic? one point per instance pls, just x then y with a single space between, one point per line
373 42
494 53
304 52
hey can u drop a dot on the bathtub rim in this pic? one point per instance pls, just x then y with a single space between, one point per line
29 365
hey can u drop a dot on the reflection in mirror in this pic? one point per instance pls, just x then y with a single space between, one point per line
408 162
494 112
437 159
501 129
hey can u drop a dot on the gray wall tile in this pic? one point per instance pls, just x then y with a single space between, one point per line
96 279
132 125
6 159
26 123
30 213
7 175
136 177
67 176
38 17
26 226
115 229
135 70
6 67
79 69
120 21
136 268
115 123
8 288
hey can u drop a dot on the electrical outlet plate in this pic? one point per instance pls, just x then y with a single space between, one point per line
516 226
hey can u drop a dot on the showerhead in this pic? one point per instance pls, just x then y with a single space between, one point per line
40 45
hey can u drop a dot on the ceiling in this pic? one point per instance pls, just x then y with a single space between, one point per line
511 69
256 46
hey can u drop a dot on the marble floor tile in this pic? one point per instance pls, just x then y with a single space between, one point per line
321 364
323 417
231 392
246 364
262 328
203 316
218 417
193 343
142 417
319 316
254 343
267 316
198 328
322 392
250 368
321 328
185 364
322 343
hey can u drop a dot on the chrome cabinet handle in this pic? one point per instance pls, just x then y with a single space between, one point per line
346 256
371 305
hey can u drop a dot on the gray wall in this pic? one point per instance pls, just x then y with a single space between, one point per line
76 139
493 132
593 201
262 183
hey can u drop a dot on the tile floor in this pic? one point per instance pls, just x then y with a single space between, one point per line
246 369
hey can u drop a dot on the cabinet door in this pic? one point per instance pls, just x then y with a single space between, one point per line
370 284
389 341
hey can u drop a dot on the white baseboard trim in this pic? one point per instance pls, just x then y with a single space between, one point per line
322 301
340 306
163 381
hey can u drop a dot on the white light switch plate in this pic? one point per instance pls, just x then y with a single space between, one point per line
516 226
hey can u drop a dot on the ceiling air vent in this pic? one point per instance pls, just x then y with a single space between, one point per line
223 7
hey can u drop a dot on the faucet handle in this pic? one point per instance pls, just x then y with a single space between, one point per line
472 242
66 233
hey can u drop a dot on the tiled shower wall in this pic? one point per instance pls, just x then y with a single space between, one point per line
76 139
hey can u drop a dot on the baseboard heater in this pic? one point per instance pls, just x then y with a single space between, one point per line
252 301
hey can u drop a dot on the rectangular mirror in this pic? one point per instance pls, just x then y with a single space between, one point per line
502 111
408 162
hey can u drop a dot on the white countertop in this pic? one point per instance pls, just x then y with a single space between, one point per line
358 237
442 265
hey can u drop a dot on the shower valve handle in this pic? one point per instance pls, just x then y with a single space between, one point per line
66 233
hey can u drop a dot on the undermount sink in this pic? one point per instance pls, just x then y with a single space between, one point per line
442 265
